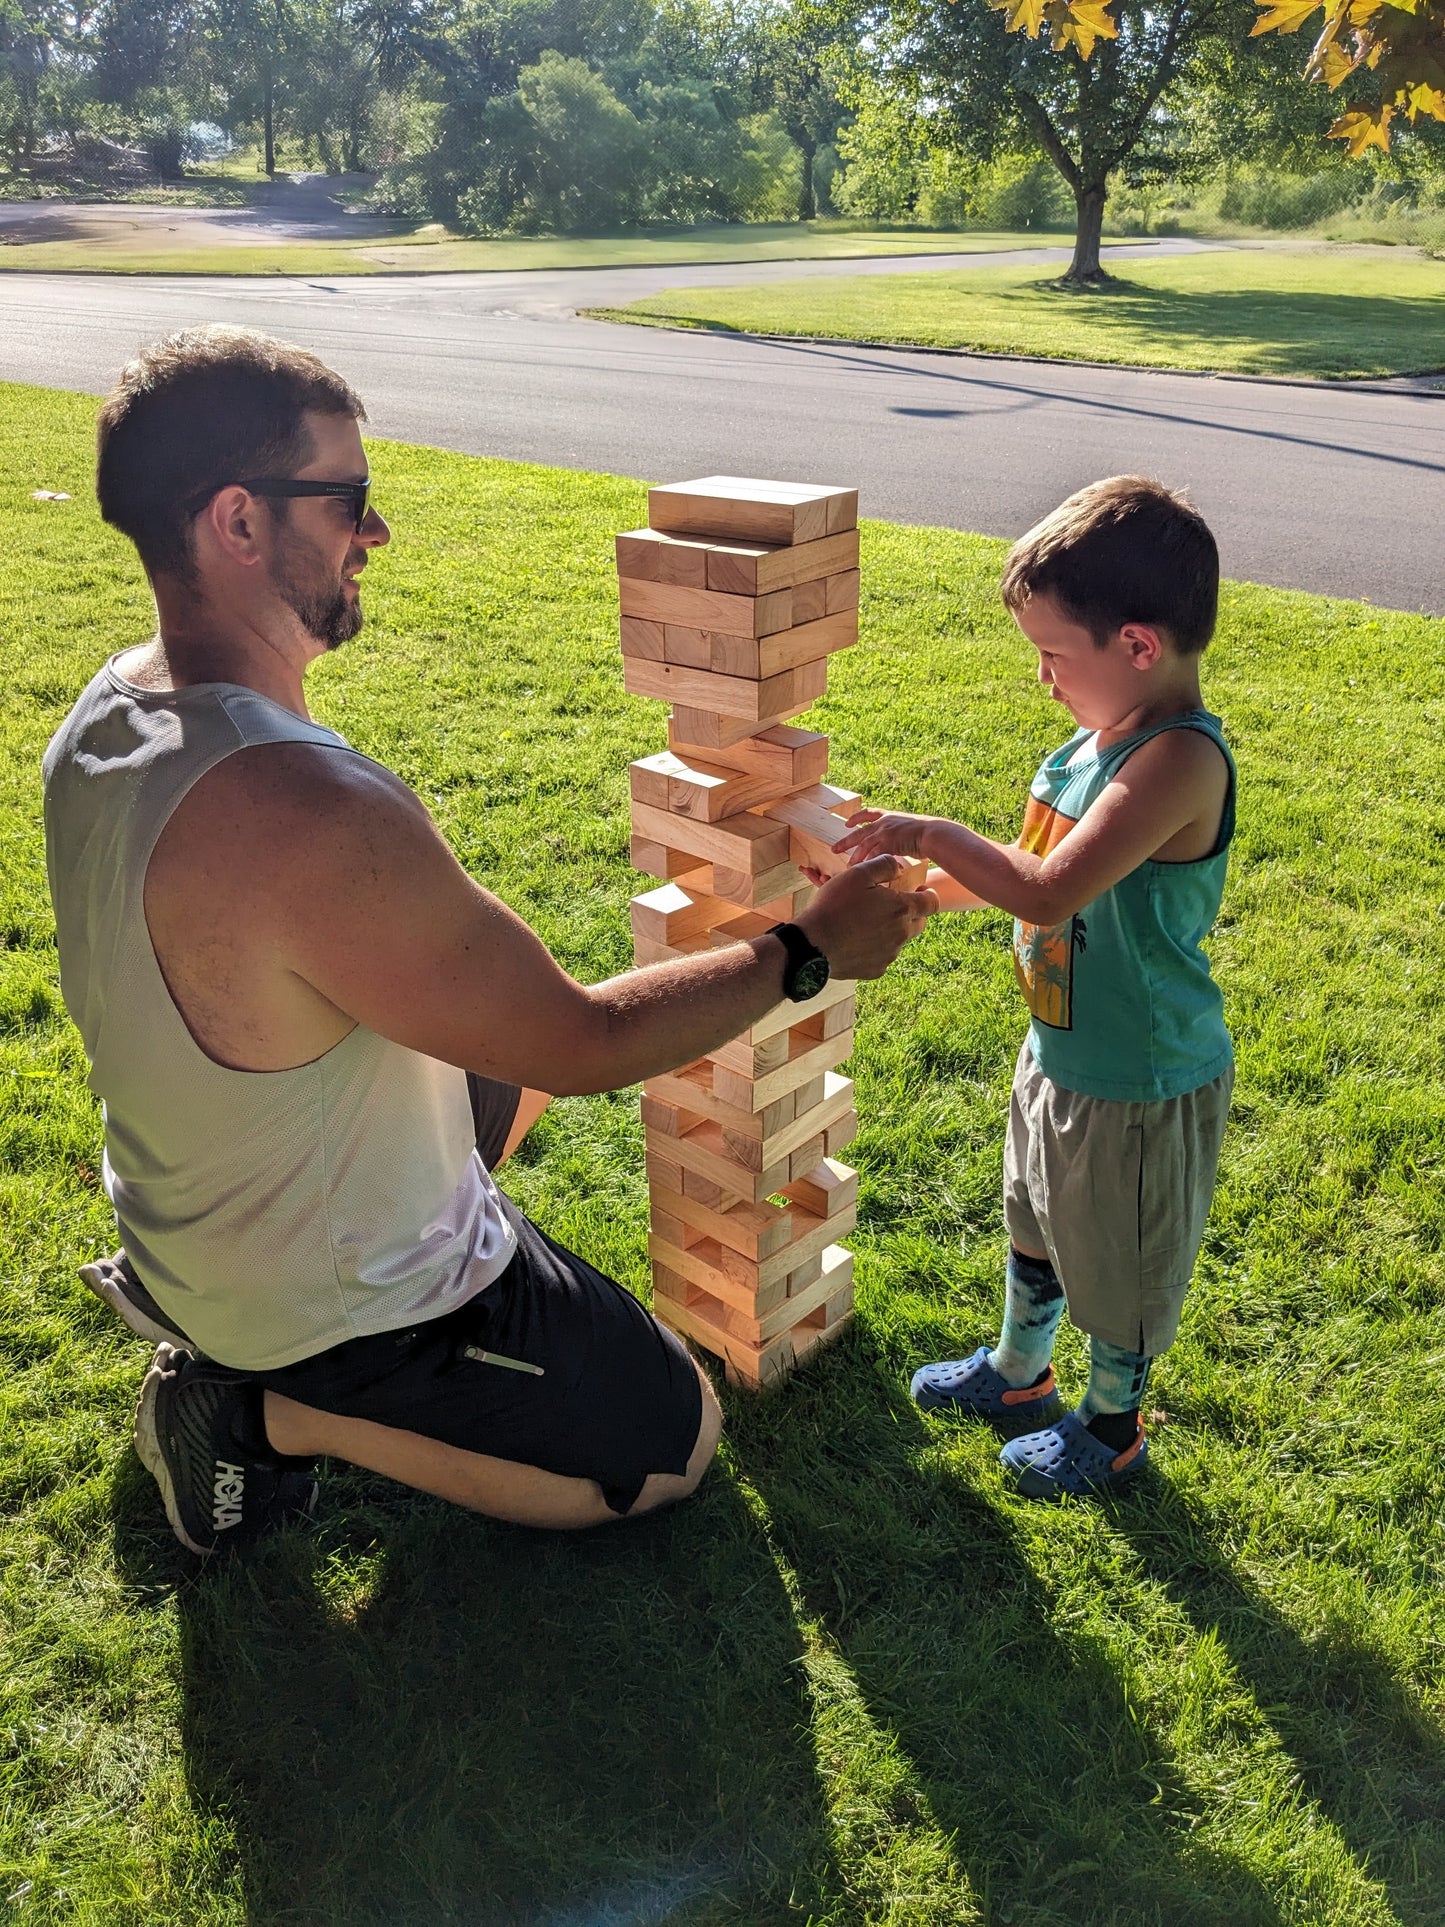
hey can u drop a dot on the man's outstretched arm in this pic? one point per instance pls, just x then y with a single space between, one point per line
376 914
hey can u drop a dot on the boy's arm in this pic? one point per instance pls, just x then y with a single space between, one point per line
951 894
1174 782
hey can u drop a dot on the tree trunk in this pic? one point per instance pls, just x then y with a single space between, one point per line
268 122
807 200
1085 269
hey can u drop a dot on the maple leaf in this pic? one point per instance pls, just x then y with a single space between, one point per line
1024 16
1424 100
1332 65
1079 23
1363 127
1288 16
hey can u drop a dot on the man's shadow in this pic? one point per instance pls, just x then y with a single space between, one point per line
1064 1810
1365 1750
413 1715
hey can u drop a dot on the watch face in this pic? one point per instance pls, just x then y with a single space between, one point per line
809 978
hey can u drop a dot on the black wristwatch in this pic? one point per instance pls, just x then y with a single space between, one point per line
806 971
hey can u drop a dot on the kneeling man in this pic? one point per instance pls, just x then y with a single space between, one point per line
313 1033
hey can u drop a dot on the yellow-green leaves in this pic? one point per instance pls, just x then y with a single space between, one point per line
1402 42
1073 23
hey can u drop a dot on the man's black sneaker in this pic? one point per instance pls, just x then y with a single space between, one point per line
189 1426
115 1284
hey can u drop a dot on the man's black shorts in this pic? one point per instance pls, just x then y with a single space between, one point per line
617 1397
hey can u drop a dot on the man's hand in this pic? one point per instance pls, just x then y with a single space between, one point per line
860 923
873 833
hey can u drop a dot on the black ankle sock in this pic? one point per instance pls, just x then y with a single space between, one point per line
1117 1430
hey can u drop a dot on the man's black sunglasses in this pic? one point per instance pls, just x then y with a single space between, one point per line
357 493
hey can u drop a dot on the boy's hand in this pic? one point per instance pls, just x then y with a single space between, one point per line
883 833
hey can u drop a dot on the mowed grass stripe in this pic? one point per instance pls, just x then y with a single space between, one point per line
1328 312
854 1680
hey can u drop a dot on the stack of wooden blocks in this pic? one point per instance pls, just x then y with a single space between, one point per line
732 601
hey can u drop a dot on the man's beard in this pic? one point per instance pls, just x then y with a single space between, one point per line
325 614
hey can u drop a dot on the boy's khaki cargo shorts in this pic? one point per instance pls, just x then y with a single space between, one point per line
1117 1194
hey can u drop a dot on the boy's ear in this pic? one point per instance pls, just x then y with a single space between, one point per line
1144 643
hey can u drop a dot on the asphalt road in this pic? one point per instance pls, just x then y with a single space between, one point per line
1315 487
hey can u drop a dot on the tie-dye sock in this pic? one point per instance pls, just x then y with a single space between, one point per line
1033 1306
1110 1406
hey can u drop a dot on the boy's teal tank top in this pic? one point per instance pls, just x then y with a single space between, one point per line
1122 1000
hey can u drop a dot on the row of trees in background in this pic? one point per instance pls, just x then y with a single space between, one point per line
556 115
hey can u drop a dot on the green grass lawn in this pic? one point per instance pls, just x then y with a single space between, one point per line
1328 311
854 1680
432 250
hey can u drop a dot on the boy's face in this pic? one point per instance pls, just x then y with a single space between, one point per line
1098 687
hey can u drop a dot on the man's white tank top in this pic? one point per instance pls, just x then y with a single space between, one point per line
272 1213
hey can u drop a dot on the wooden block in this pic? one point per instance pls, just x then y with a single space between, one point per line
810 602
746 1060
671 1120
805 1060
683 607
809 1096
815 828
705 732
742 509
790 1016
688 648
746 843
746 890
753 1367
753 1230
913 876
743 926
841 592
773 1275
648 778
704 1154
838 1309
825 1190
840 1135
646 951
807 1156
810 642
831 1022
709 792
654 557
799 1282
674 1230
704 1190
784 1142
670 913
775 1310
701 1267
658 859
645 640
791 758
737 696
755 568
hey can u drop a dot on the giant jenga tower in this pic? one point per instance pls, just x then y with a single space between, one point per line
732 601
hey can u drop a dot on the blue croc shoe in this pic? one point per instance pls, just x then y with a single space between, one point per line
1068 1458
972 1385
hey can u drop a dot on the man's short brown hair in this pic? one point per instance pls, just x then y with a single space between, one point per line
1124 550
199 410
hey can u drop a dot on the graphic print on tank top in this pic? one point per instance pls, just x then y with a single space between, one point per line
1044 953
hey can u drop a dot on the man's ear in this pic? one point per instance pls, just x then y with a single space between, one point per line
230 526
1144 642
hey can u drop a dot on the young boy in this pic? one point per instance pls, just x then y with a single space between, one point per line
1123 1085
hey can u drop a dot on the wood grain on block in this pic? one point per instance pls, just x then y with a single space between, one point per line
668 1120
789 1016
774 1312
645 640
651 556
838 1309
701 1266
792 758
840 1135
742 509
705 1153
826 1190
810 602
804 1061
737 696
808 642
658 859
670 913
842 592
703 732
807 1156
734 615
770 1276
747 891
756 568
828 1023
744 926
752 1230
751 1367
710 791
744 842
817 824
812 1093
784 1141
691 1088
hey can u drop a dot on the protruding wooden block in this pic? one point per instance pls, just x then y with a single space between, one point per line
755 568
659 859
789 758
734 615
670 913
816 819
807 1157
840 1135
747 891
733 1082
743 509
651 556
744 842
738 696
670 1120
826 1190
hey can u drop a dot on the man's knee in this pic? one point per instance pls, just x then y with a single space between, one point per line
666 1488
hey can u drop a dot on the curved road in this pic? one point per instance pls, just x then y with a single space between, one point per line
1318 487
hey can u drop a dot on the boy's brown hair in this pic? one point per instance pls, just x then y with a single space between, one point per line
1123 550
190 414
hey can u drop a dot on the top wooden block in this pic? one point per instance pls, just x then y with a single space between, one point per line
742 510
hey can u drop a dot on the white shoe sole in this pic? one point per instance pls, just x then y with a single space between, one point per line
148 1444
101 1278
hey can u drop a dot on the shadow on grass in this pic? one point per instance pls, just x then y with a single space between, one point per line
419 1717
1365 1750
1064 1811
